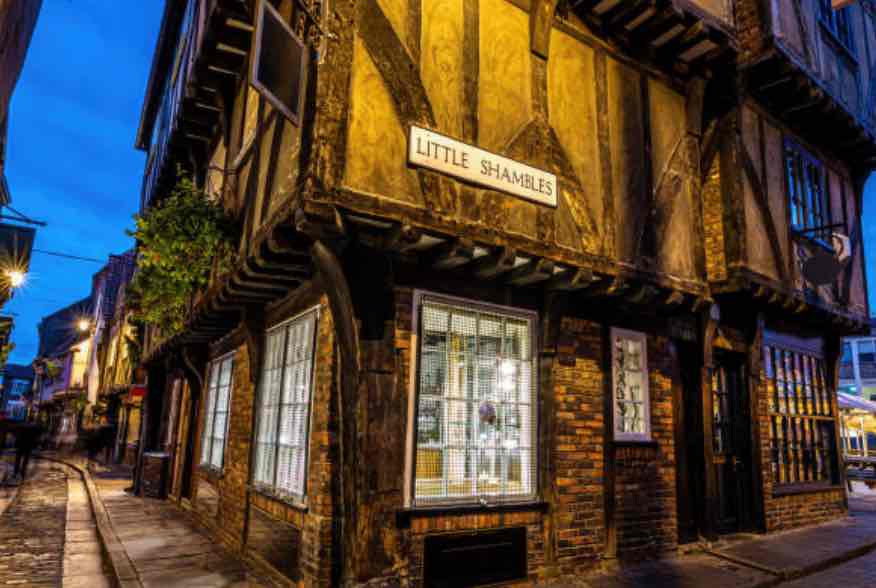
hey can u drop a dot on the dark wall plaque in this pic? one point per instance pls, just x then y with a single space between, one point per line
277 542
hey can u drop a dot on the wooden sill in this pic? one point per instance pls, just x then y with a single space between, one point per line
804 488
284 500
403 517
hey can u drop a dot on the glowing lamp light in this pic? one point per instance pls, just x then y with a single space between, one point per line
16 277
83 324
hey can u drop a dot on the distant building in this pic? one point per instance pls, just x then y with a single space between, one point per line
17 384
858 365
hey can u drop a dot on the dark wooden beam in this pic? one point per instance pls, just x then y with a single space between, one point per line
531 272
451 254
571 279
496 263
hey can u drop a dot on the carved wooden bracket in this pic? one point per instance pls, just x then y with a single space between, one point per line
541 19
194 364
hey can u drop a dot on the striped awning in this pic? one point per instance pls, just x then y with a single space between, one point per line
851 402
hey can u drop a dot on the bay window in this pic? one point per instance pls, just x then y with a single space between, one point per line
632 410
475 409
283 407
216 415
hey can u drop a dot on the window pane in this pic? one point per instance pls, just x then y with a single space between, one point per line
474 405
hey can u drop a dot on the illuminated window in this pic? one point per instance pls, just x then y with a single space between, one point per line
216 419
283 408
476 404
632 411
802 423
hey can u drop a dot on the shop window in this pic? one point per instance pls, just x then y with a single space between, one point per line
837 22
806 184
476 409
802 422
283 408
632 411
217 404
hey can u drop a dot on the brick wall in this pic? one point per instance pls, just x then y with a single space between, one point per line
713 222
645 507
313 524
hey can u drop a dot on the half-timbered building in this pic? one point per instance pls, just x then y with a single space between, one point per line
524 285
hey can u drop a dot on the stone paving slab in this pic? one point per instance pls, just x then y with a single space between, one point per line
795 553
690 571
860 572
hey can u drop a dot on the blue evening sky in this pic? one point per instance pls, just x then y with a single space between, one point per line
71 160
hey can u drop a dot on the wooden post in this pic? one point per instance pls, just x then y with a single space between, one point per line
832 358
334 282
708 328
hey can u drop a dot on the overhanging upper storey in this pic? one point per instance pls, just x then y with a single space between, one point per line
813 67
684 36
202 51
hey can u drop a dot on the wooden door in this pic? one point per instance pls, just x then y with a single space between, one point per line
180 438
731 442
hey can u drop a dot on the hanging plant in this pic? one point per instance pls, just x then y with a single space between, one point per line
179 240
80 402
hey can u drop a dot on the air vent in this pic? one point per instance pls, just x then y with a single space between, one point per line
475 559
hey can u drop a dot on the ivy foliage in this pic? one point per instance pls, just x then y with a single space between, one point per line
179 241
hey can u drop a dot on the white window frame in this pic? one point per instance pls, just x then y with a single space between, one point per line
413 398
646 389
213 388
272 489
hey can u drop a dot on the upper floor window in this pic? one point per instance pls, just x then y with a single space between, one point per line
216 419
475 405
867 351
283 407
838 22
632 410
806 182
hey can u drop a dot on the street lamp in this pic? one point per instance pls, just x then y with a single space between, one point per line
16 277
83 324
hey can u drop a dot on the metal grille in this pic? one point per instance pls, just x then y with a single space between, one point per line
216 421
630 378
476 410
802 422
284 407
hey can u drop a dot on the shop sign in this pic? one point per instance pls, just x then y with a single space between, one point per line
442 154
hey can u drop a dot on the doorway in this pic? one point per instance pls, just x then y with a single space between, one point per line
731 443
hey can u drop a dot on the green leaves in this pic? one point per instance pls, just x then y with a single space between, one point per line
179 240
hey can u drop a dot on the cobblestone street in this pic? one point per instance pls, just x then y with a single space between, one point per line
47 535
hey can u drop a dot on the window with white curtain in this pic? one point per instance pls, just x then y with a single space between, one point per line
632 410
216 419
283 407
476 409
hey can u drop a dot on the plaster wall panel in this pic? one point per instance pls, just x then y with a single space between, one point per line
376 142
572 115
441 62
505 74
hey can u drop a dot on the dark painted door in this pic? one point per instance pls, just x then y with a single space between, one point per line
731 442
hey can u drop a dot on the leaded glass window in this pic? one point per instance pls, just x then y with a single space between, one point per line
475 404
632 411
283 409
802 421
216 415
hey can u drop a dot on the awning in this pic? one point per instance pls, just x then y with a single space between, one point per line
851 402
